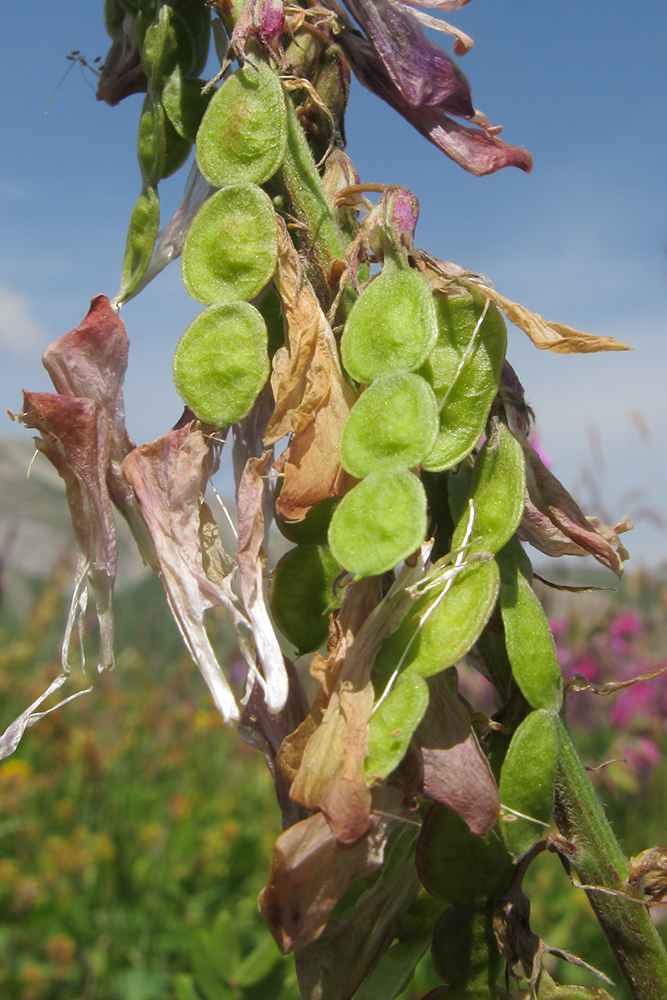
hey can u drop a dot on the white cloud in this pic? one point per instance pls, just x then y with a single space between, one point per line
20 331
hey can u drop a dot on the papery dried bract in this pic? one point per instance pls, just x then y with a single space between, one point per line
251 561
309 875
90 362
169 478
75 438
456 772
312 397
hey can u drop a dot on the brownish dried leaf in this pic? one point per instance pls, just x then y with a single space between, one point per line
546 335
312 397
309 875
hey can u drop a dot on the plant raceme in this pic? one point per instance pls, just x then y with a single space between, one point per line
406 485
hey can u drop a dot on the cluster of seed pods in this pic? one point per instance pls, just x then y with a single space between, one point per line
407 562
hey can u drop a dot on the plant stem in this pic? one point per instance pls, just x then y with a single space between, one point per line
599 860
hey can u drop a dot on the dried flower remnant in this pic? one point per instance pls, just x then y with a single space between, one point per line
168 477
552 521
312 397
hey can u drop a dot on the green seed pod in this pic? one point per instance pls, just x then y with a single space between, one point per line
465 952
527 780
271 308
379 523
141 236
391 426
456 866
302 595
176 149
168 41
314 528
498 491
451 628
392 325
393 724
244 132
197 16
151 141
464 370
185 104
231 248
221 363
530 643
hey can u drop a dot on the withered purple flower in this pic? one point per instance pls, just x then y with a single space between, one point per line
415 76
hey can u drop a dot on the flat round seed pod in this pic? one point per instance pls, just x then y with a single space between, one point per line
456 866
392 326
231 248
464 370
302 594
531 647
497 493
185 104
527 780
426 643
393 724
391 426
379 523
465 953
243 134
221 363
314 528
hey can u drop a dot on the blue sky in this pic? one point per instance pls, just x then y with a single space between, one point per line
582 85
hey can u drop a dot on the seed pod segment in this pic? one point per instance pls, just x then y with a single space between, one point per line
379 523
392 325
392 425
221 363
527 781
464 371
231 248
243 134
302 595
443 625
530 644
498 490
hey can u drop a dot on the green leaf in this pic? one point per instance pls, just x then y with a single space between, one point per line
221 363
464 370
395 970
393 724
259 963
527 780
